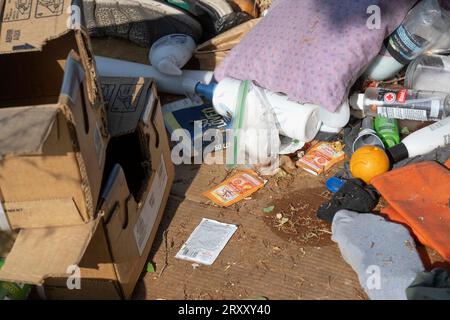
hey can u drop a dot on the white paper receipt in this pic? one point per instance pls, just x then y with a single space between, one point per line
150 209
206 242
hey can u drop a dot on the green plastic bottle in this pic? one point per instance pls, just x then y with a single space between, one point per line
387 130
13 291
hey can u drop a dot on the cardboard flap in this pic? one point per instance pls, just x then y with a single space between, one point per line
24 130
47 252
227 40
128 100
116 197
27 25
43 213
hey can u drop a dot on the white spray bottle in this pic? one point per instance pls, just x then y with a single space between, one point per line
422 141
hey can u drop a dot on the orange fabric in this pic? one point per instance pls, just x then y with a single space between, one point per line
419 196
448 163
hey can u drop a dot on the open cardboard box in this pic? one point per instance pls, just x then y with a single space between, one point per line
111 250
53 133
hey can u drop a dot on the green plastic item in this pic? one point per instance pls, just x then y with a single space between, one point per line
13 291
180 4
150 267
239 118
387 130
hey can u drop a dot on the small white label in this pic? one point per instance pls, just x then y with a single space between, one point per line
4 224
99 146
206 242
150 208
435 106
403 113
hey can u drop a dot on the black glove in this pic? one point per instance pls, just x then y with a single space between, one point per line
354 195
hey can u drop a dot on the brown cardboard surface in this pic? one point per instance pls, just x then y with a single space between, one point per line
130 242
98 279
28 25
24 130
40 253
127 99
259 260
52 155
255 262
192 180
132 206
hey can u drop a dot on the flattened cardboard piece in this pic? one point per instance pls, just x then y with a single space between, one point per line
127 99
24 130
69 138
46 252
28 24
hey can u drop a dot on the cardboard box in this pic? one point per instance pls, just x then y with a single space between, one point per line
52 120
111 250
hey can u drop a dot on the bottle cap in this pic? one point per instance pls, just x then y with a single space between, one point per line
397 153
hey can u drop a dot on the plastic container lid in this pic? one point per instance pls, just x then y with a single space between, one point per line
334 184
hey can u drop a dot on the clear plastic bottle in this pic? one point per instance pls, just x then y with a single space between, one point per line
422 29
404 104
429 72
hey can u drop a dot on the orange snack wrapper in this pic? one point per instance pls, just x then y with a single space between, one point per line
236 188
321 157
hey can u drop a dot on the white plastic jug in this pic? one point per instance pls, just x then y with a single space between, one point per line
295 121
171 53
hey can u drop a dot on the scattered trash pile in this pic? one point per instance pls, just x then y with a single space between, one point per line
295 86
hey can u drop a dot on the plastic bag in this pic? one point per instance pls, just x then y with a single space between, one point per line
256 137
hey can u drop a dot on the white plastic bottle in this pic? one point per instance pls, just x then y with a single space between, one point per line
422 141
171 53
422 28
333 122
296 121
383 67
185 83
